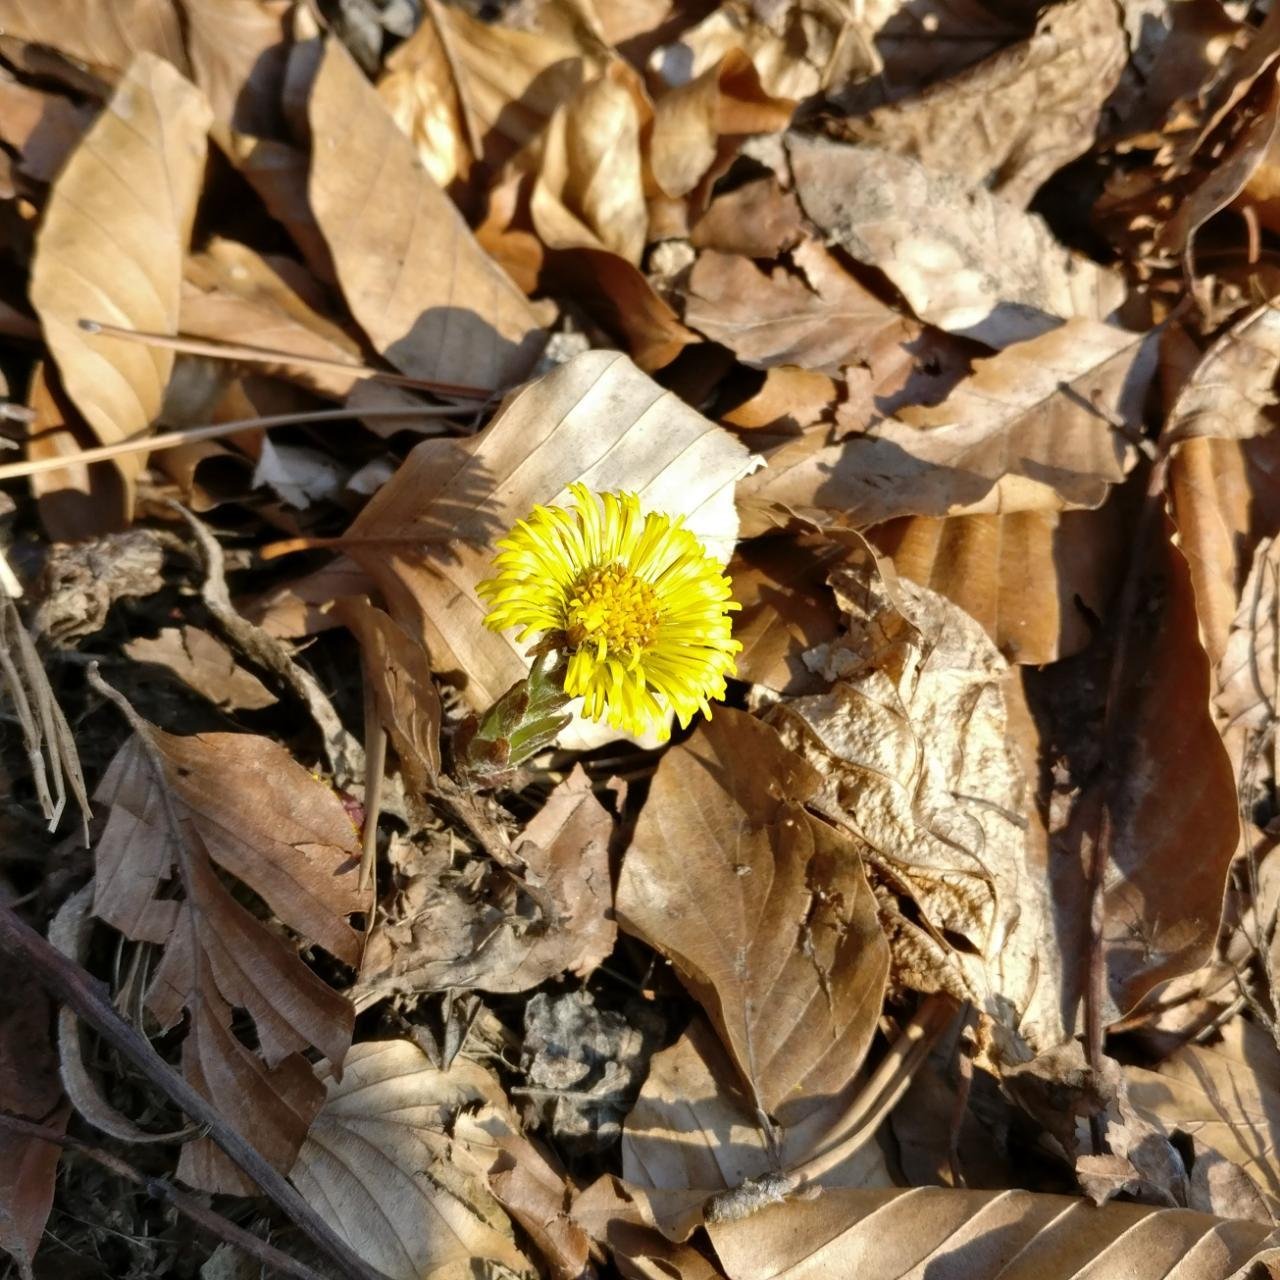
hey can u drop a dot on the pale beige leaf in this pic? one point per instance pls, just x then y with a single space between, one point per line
427 536
238 53
1032 578
106 34
42 127
111 245
205 664
232 294
1010 122
379 1164
178 805
822 319
590 184
424 291
1035 428
763 910
1231 393
980 1235
1225 1095
964 259
1246 676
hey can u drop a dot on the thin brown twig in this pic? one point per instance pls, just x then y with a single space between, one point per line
71 985
159 1189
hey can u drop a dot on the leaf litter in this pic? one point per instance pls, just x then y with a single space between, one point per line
946 944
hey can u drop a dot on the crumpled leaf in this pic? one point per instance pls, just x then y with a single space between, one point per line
429 298
204 663
443 934
1225 1095
1246 675
110 249
912 748
1033 429
380 1163
1010 122
964 259
427 535
882 1235
764 911
242 802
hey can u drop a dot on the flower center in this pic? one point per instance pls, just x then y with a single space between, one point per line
610 603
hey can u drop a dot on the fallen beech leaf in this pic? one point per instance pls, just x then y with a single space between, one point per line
232 294
244 803
764 911
1036 580
443 935
1033 429
698 125
205 664
30 1089
777 318
238 54
1010 122
757 219
42 127
1225 1095
692 1129
110 248
964 259
427 295
982 1235
379 1163
407 698
106 35
589 188
427 535
915 760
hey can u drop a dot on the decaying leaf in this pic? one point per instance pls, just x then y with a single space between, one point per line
964 259
1246 676
177 807
763 910
204 663
427 536
428 297
379 1163
111 244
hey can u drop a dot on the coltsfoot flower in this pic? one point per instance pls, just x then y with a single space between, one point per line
635 601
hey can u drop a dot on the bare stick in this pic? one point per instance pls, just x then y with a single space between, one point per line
215 431
270 355
71 985
188 1205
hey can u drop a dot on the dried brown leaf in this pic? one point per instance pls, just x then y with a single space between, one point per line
178 805
424 291
206 664
763 910
1035 428
1246 676
110 249
427 535
757 219
42 127
981 1235
238 54
964 259
380 1163
1013 120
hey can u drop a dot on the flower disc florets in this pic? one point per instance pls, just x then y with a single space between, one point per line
635 600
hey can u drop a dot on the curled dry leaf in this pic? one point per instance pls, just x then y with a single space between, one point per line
1226 1096
1010 122
912 749
432 302
982 1235
427 535
1035 428
444 935
205 664
1250 661
764 911
111 244
382 1164
964 259
178 806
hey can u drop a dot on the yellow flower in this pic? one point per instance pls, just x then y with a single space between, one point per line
635 601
